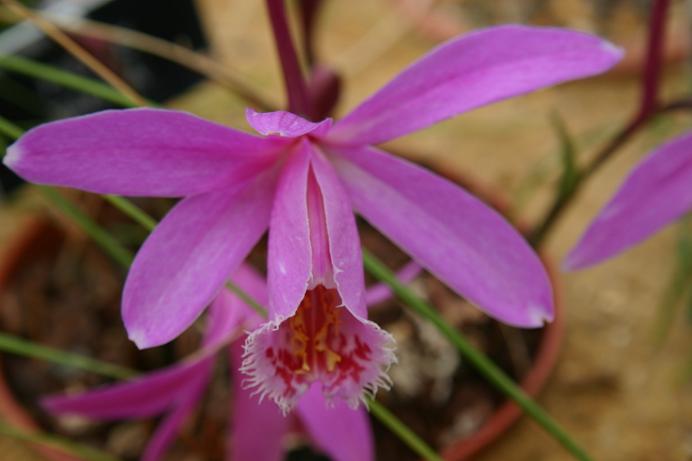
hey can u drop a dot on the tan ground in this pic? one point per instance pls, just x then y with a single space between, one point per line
619 394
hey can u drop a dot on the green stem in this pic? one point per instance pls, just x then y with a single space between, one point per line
247 299
60 443
19 346
67 79
395 425
119 253
132 211
486 367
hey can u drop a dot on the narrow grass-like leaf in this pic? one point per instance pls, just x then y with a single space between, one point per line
65 445
402 431
19 346
569 176
69 80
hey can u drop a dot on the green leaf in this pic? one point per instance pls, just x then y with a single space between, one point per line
69 80
19 346
570 175
77 449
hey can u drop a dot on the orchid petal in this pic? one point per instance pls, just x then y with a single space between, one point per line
171 424
471 71
185 261
147 152
289 261
343 433
658 191
285 124
451 233
257 428
142 397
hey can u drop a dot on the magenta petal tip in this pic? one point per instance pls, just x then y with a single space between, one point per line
572 262
141 339
12 157
617 52
539 315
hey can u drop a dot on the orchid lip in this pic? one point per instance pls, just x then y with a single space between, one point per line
322 342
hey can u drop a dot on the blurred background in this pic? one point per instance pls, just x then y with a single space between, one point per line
623 382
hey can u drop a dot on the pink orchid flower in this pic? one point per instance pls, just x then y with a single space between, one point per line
658 191
303 180
257 430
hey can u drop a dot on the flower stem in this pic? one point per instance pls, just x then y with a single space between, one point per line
293 75
484 365
654 58
648 107
132 211
309 11
395 425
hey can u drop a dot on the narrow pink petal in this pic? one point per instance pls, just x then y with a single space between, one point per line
289 262
142 397
343 433
343 240
170 426
381 292
451 233
257 428
184 263
285 124
658 191
471 71
150 152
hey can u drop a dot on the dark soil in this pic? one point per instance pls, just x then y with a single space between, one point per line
66 294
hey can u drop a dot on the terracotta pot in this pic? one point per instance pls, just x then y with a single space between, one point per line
40 235
37 236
